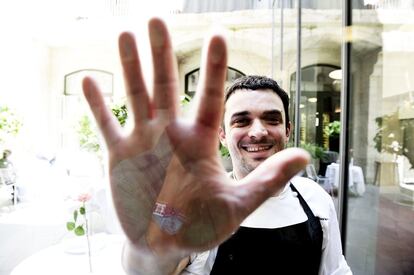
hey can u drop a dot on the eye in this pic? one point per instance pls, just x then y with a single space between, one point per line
241 122
273 121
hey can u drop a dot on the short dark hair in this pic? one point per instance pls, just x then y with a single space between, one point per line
256 82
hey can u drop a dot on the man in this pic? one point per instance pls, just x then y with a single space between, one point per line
170 191
295 231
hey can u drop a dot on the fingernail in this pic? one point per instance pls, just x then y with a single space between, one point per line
157 36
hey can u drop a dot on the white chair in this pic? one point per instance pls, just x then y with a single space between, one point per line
8 180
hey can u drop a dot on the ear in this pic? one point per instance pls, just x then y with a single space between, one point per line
222 136
288 130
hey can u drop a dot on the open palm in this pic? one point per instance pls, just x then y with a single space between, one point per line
175 162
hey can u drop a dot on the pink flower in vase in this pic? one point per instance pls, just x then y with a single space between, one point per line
81 228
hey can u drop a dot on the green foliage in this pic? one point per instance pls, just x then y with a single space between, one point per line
185 101
75 225
315 151
88 136
10 124
70 226
224 151
333 128
388 132
395 136
121 113
82 210
79 231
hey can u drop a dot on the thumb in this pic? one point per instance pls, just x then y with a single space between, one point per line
271 176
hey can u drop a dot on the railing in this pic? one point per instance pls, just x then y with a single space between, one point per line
390 4
209 5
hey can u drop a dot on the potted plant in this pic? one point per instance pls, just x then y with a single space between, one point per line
10 125
316 152
395 136
333 130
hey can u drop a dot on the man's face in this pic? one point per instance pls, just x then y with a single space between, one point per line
255 128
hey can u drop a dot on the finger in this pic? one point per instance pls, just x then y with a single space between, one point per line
211 87
134 81
271 176
109 126
165 69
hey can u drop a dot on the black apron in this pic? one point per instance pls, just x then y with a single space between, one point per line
295 249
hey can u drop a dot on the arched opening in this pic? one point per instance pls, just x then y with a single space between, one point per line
319 108
191 79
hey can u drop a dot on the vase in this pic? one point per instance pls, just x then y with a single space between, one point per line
334 143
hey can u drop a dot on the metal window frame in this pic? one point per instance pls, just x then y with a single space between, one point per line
345 109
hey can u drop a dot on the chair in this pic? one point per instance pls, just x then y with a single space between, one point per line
321 180
8 179
327 158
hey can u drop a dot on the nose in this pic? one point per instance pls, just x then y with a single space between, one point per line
257 130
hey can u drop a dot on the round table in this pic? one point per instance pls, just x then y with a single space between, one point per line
356 182
64 259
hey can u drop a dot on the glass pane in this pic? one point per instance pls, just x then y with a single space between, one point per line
380 229
319 104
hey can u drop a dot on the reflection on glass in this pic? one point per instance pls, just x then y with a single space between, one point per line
379 235
320 113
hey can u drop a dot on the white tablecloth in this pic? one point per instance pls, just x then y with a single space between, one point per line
356 182
62 259
28 229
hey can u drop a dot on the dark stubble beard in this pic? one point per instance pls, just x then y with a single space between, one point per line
246 167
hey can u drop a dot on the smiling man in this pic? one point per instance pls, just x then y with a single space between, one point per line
295 231
256 124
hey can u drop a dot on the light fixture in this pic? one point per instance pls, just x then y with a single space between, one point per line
336 74
301 106
312 99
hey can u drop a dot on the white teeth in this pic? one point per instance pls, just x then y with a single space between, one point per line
256 149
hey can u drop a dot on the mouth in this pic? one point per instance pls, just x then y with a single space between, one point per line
254 148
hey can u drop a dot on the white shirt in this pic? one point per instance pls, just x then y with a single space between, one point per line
284 210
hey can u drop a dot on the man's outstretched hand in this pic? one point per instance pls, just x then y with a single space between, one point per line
170 190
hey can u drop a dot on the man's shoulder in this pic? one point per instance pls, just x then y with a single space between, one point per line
310 189
315 196
304 183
